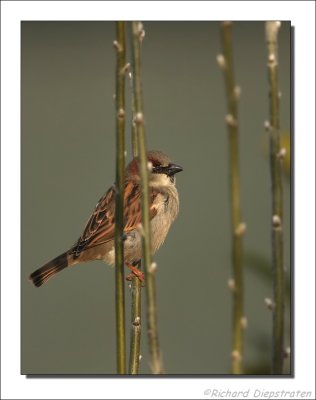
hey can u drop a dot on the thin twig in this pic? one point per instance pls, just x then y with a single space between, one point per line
225 61
272 29
119 44
134 128
134 359
136 285
154 350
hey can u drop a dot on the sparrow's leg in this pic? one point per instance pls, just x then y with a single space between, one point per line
136 272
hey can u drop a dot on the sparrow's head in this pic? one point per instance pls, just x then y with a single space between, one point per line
162 169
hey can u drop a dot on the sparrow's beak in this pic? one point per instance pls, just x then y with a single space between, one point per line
173 169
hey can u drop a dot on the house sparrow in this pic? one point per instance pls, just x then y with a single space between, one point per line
97 240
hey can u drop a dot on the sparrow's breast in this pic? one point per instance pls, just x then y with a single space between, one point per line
167 203
168 208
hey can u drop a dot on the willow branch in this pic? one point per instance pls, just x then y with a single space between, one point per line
272 29
225 61
134 359
119 44
134 128
152 328
136 285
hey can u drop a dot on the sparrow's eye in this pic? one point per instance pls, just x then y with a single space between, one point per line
155 163
158 168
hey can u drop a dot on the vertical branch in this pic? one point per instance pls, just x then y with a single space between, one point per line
136 285
154 350
225 61
134 128
119 44
135 356
273 126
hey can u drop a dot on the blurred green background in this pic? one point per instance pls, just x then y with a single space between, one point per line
68 162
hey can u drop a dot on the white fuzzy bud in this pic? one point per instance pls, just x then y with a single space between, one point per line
221 61
269 303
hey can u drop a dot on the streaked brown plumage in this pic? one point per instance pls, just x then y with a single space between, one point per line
97 239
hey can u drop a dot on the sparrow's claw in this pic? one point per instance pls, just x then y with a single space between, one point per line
135 272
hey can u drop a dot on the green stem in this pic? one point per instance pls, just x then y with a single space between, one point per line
134 127
120 166
272 29
152 329
134 359
136 286
238 227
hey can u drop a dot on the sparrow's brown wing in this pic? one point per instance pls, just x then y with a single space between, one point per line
132 205
100 227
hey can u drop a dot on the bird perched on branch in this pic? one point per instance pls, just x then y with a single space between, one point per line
97 239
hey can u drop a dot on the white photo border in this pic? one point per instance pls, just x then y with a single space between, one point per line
302 16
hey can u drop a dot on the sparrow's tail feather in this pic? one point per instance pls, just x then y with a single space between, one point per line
48 270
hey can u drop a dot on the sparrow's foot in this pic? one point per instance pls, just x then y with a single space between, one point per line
135 272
